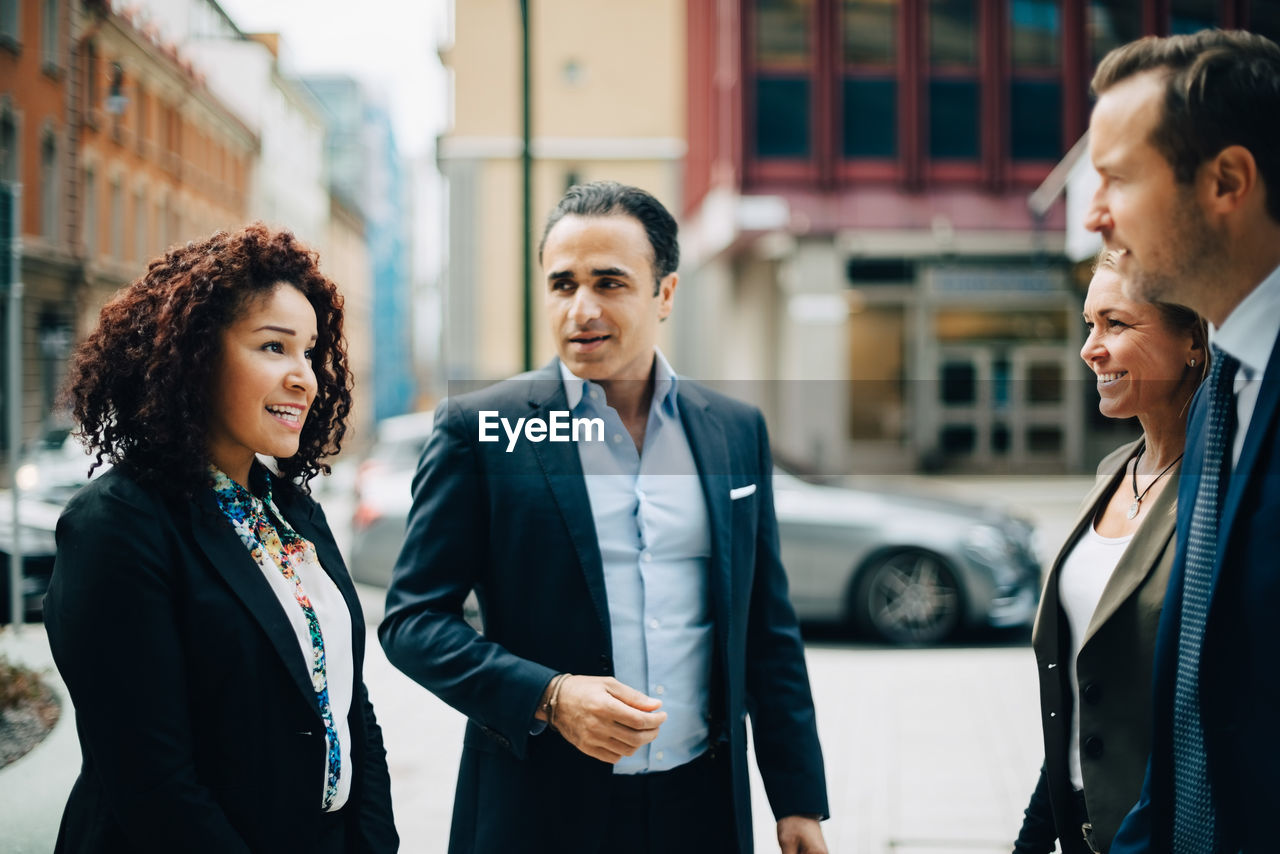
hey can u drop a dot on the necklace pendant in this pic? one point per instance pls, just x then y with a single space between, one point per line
1133 509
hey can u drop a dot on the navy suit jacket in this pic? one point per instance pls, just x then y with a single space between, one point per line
517 528
1240 655
198 723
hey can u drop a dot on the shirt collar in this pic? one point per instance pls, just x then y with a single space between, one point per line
665 385
232 496
1249 333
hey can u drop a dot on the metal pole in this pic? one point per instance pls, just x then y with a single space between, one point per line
14 403
526 200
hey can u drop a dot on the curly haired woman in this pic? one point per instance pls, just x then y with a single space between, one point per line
200 612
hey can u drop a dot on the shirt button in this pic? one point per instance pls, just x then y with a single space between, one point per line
647 557
595 394
617 438
659 689
653 624
659 754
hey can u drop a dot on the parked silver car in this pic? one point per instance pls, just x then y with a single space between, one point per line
383 488
907 569
53 468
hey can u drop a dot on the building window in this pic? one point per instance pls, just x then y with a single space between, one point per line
9 28
905 90
1264 19
49 35
1112 23
1035 89
91 213
90 79
49 187
783 59
869 80
1190 16
954 85
8 147
140 225
117 220
142 108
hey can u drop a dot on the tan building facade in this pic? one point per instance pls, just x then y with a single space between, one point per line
346 261
598 111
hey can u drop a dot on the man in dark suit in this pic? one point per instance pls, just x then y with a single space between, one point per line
634 604
1186 139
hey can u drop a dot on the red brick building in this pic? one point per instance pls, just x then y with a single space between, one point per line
857 219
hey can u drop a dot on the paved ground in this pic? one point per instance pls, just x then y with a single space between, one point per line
928 751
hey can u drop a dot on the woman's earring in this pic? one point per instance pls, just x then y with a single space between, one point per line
1192 363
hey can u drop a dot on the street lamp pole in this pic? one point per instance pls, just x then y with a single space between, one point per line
526 200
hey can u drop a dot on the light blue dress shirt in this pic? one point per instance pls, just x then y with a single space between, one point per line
651 524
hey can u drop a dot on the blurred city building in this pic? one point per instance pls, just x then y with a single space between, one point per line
608 92
161 158
133 126
366 170
874 224
348 264
37 145
290 187
857 222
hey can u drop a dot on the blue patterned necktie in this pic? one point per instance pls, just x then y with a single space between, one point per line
1194 830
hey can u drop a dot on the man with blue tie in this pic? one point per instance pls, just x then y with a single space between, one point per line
1186 138
635 607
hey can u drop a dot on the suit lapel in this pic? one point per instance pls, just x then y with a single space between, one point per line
332 563
711 456
1139 557
1264 412
1043 632
215 536
562 469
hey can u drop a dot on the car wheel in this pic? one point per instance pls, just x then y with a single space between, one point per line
908 597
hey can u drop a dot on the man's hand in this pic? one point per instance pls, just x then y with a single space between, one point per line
604 718
798 834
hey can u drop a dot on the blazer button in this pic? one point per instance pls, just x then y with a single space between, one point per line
605 664
1093 747
1092 693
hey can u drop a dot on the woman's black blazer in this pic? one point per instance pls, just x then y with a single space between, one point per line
198 724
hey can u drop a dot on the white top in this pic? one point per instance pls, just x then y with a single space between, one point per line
1249 334
339 660
1084 575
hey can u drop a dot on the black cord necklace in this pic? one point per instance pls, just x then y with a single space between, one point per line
1137 499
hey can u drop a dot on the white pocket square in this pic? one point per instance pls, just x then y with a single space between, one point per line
742 492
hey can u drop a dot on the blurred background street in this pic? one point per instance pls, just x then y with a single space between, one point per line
880 206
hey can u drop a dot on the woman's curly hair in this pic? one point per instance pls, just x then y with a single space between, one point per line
140 385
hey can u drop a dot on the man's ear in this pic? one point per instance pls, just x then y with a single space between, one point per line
667 294
1230 178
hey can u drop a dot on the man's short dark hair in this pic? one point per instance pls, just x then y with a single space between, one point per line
609 198
1222 88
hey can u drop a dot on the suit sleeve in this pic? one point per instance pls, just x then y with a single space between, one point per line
114 634
424 633
1039 834
778 696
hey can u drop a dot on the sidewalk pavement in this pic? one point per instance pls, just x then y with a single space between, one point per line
928 751
34 789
